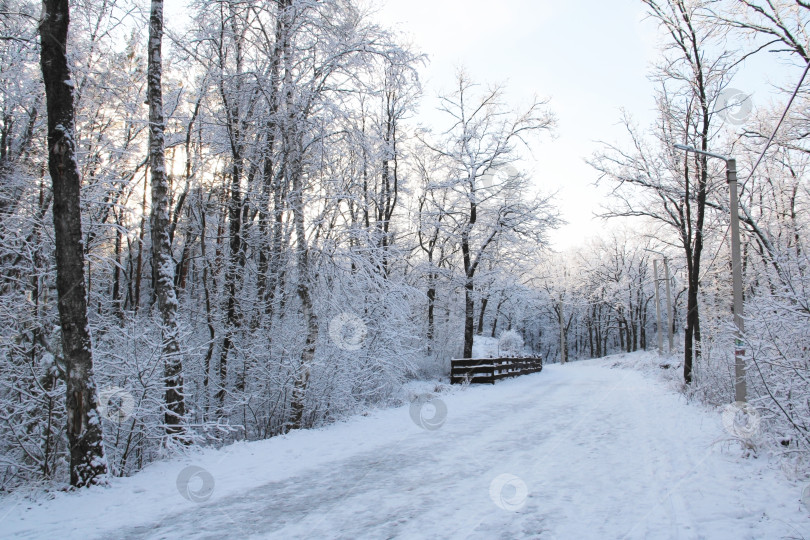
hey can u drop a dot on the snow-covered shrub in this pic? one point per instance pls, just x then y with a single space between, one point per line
777 355
510 343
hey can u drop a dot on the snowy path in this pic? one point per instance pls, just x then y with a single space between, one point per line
603 453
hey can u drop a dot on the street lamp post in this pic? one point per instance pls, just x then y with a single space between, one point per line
736 268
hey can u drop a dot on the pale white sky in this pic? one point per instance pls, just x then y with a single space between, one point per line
589 57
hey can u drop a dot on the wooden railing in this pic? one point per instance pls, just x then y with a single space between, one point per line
489 370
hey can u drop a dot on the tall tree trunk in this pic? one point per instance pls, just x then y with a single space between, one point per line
139 264
689 331
161 244
481 312
389 188
270 252
209 318
232 314
431 296
236 259
116 288
693 315
469 275
182 266
303 290
495 318
563 333
469 317
88 464
293 148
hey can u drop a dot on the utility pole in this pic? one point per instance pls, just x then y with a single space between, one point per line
736 269
670 336
563 348
658 308
669 306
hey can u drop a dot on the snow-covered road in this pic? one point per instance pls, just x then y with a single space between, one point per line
577 451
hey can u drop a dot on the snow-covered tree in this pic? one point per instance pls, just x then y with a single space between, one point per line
88 464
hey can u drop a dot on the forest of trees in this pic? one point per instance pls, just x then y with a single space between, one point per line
241 229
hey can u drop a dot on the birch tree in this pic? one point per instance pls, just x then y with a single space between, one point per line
162 262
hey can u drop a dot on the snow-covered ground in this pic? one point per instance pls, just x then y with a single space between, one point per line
578 451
